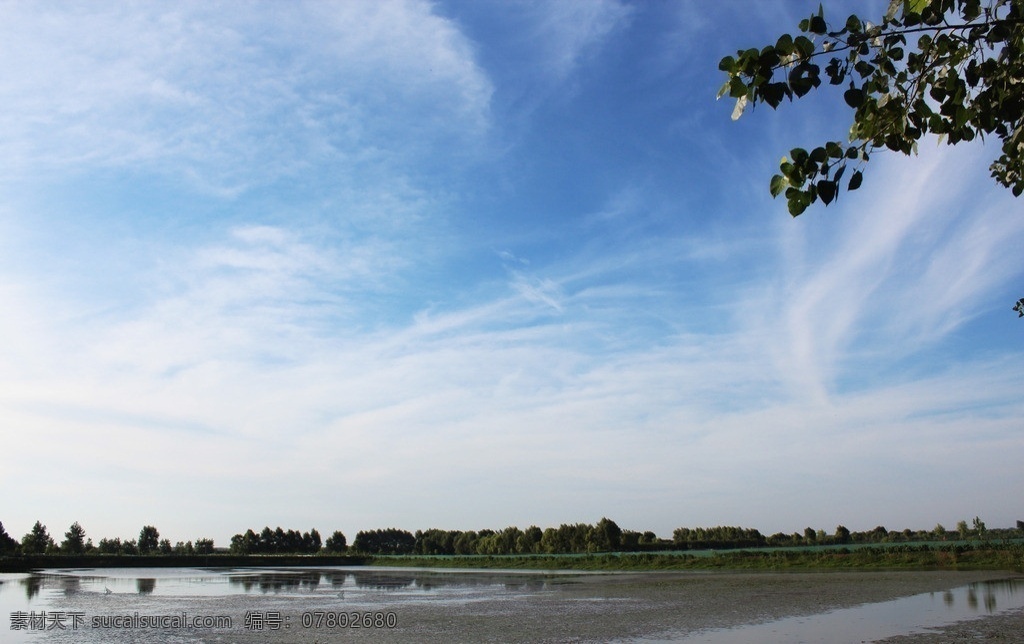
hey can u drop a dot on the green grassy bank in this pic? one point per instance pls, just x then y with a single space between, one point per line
983 556
1007 556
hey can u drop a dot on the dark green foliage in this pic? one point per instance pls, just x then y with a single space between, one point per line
37 541
565 539
390 541
8 545
109 546
336 542
74 540
981 556
149 540
204 547
717 538
276 541
947 67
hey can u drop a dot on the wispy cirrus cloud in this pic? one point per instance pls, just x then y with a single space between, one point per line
233 99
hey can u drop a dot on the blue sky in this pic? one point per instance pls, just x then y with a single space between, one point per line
478 264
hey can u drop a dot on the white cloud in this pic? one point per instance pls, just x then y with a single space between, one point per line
231 99
567 32
891 271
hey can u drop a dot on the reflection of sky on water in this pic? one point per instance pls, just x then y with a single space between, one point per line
869 622
22 590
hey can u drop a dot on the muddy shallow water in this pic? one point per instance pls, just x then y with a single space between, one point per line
415 605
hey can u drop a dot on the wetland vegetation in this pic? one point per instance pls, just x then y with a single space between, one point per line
579 546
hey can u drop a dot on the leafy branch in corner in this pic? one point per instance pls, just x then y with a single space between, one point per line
963 78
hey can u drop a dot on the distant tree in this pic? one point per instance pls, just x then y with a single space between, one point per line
184 548
109 546
149 540
165 547
268 542
842 534
529 542
245 544
336 542
465 543
204 546
8 544
810 536
939 531
74 540
37 541
129 547
606 535
962 530
979 527
389 541
311 541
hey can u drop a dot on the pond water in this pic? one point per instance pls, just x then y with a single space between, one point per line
379 604
921 613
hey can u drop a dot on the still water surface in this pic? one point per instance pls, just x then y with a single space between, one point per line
564 598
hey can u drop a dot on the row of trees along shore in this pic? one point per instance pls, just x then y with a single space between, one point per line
604 536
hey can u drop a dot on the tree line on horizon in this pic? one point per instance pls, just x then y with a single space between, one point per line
577 538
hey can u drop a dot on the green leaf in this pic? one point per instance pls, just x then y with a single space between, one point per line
914 6
854 97
798 204
855 180
827 191
804 45
784 45
778 184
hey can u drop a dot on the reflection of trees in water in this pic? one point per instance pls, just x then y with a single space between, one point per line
434 581
336 579
145 585
990 592
1005 587
375 580
990 600
276 582
33 584
70 585
381 580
